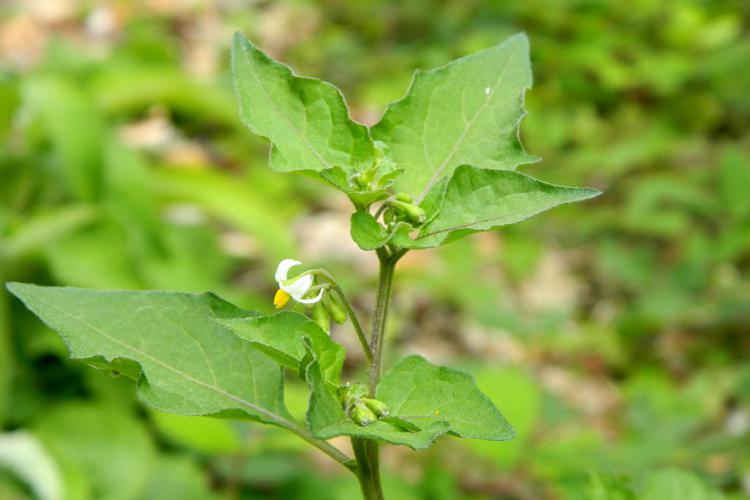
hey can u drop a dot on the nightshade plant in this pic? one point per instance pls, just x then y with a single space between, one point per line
438 166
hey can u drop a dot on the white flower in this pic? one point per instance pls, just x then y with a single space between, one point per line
295 288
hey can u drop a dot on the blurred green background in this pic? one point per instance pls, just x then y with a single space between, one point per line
614 334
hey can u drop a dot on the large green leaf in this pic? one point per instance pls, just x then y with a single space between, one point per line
190 364
327 419
476 199
305 119
467 111
282 337
416 390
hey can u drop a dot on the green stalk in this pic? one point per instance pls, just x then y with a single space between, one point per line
367 452
349 310
369 471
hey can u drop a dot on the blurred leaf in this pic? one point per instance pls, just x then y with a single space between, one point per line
607 487
305 119
176 478
23 454
734 182
74 129
103 444
674 484
466 112
44 228
521 399
211 436
234 202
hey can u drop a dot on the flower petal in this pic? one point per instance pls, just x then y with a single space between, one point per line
312 300
297 288
282 270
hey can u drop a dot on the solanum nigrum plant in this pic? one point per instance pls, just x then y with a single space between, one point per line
438 166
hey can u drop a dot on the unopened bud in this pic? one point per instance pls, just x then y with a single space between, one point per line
405 197
322 317
377 407
413 212
361 414
338 313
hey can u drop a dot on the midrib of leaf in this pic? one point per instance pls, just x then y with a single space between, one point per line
286 118
461 226
279 420
480 221
436 176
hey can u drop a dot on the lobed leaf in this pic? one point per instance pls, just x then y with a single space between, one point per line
305 119
467 111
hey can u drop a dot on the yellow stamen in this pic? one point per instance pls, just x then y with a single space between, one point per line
281 298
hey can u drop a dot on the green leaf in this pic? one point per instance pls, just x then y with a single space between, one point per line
416 390
467 111
282 335
76 142
305 119
24 455
178 478
478 199
368 233
212 436
327 419
99 442
190 364
674 484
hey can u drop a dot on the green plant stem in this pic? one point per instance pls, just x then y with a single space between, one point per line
349 310
377 334
367 452
369 470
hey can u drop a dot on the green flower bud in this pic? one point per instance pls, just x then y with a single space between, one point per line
412 212
321 316
334 306
377 407
405 197
361 414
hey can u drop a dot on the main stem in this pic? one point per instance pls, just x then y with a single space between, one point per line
367 452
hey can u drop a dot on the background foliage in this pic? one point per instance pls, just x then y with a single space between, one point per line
612 334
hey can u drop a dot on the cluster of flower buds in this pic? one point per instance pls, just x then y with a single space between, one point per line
361 409
330 308
401 209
